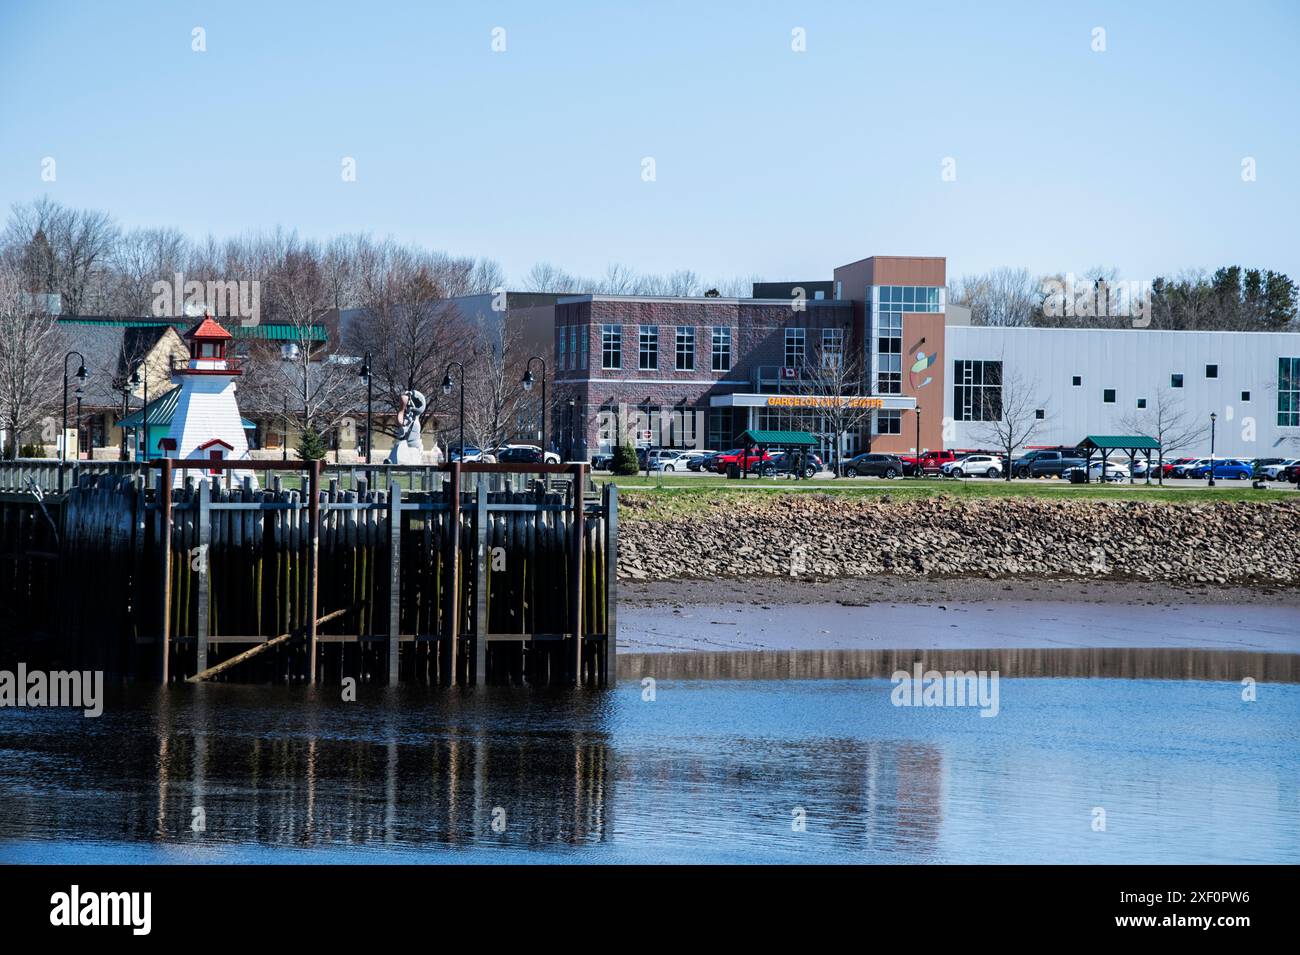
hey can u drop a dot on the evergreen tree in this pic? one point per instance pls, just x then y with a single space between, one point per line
311 445
625 462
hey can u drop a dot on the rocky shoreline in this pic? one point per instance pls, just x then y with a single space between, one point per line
810 537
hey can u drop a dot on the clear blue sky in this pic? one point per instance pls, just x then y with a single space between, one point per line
768 161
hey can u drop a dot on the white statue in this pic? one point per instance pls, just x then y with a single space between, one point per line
408 448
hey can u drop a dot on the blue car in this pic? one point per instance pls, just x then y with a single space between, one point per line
1227 468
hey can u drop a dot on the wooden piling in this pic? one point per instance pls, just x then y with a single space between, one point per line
575 576
448 661
481 560
205 581
165 567
611 584
313 565
394 581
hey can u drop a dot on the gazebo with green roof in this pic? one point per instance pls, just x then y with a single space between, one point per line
782 440
1131 443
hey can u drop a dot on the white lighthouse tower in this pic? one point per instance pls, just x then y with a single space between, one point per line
206 425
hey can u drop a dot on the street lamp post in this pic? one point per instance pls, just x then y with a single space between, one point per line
1213 418
370 402
573 425
446 390
137 379
916 469
284 431
81 380
527 382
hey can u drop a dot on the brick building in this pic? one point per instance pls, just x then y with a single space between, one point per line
696 372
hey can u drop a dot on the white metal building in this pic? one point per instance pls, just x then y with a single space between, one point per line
1089 381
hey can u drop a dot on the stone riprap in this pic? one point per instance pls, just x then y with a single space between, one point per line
825 536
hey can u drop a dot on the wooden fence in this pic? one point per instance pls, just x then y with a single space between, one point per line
456 574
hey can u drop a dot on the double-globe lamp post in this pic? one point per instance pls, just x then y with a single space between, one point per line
1213 417
446 390
370 402
527 382
82 375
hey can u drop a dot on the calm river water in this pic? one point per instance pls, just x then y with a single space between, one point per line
710 770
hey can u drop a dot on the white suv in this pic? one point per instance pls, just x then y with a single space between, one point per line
984 465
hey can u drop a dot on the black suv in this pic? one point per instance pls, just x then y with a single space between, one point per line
874 465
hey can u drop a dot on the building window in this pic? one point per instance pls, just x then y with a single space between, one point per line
581 332
721 348
1245 396
611 347
1142 403
1077 381
1175 381
719 435
1288 392
1108 396
977 390
889 375
685 348
1211 371
889 422
908 298
794 342
648 352
561 362
1040 414
832 347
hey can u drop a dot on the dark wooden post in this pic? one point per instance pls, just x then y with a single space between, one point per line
313 564
205 542
447 663
611 584
575 577
481 583
394 580
165 548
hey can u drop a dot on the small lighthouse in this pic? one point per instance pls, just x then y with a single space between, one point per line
206 425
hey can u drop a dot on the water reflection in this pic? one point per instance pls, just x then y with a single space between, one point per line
1163 663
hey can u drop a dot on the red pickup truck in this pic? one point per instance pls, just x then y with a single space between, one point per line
750 462
933 461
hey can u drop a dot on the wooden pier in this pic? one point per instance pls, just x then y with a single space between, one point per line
456 574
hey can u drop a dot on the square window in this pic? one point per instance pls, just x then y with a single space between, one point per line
1245 396
1040 414
1211 371
1142 402
1077 381
1175 381
1108 395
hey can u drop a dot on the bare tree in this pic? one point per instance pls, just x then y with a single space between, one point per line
1003 296
833 381
139 259
1168 421
492 385
1009 415
65 251
31 357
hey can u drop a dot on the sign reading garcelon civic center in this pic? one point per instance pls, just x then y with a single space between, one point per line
814 401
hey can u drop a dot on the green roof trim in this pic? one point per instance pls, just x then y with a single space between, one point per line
1135 442
161 410
795 439
270 332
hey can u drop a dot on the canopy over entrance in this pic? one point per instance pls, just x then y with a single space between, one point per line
783 439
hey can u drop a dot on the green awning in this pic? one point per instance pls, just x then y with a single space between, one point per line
792 439
161 411
1128 442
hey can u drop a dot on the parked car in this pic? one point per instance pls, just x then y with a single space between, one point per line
980 465
520 454
472 455
701 461
1231 468
932 462
682 462
783 462
657 459
1093 472
1036 464
1292 473
1173 464
602 462
741 460
1187 467
1272 469
870 464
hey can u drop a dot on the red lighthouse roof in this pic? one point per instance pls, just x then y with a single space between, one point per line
208 330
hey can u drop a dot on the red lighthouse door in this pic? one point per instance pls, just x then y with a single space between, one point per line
214 456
